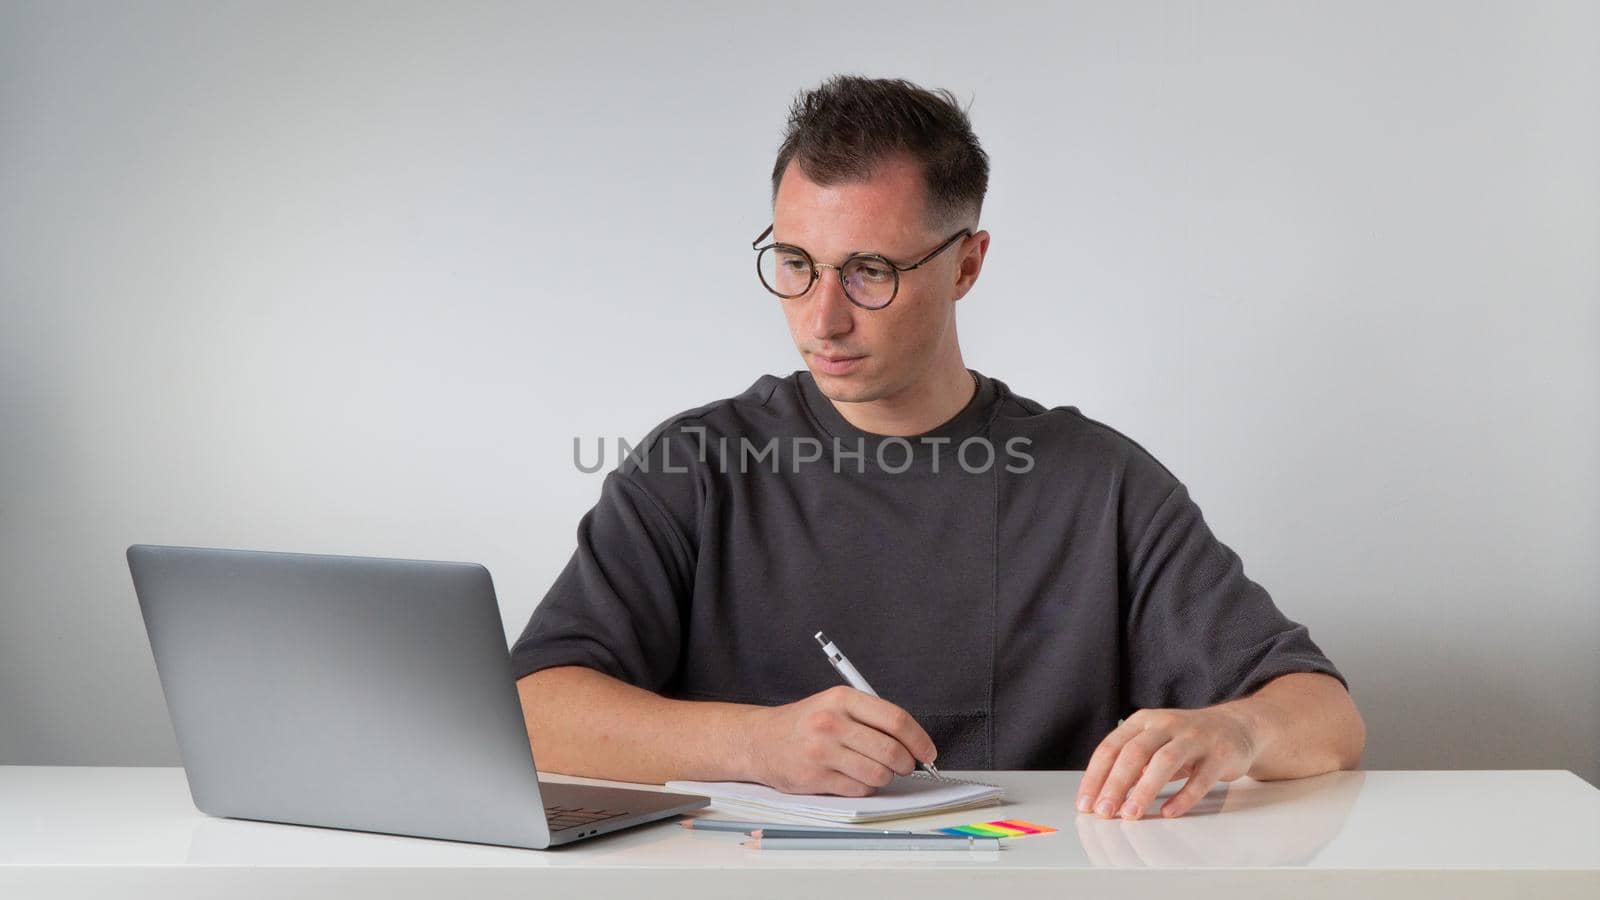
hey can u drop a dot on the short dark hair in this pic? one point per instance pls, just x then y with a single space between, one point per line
841 130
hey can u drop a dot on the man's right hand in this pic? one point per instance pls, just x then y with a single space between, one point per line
840 741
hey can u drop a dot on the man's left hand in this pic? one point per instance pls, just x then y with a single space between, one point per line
1153 747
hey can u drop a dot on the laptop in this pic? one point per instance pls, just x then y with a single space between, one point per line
358 693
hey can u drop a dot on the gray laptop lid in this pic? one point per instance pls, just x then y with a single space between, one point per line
371 694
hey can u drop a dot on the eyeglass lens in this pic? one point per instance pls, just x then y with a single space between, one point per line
789 272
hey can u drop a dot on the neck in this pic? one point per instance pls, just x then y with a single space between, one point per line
920 407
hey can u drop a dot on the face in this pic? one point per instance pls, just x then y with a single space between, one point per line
855 354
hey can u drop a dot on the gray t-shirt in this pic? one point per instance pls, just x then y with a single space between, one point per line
1018 579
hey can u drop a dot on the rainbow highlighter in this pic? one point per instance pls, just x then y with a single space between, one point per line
1003 828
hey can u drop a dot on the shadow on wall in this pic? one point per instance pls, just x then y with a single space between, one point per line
1442 704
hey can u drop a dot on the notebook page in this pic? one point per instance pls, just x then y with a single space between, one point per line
906 795
756 811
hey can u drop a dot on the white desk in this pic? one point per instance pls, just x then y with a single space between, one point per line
132 832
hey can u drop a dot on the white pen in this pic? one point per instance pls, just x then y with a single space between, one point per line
842 663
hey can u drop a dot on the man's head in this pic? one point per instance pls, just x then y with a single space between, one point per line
887 167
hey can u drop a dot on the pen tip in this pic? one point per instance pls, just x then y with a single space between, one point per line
821 638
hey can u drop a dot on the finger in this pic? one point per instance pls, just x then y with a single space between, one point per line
841 785
875 745
1199 784
1126 770
1162 769
869 773
893 721
1094 775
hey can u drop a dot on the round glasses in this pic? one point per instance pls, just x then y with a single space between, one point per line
870 280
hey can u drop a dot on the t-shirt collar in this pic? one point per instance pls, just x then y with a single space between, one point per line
970 420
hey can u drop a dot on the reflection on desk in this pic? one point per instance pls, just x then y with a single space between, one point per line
134 832
1272 823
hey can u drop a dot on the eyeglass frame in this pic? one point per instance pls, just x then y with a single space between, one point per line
839 269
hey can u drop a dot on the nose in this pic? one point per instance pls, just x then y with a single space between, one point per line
831 310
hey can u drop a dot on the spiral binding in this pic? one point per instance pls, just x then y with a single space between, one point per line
929 777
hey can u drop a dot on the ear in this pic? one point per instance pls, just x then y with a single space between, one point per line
975 248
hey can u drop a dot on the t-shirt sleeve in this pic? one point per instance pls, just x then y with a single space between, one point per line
616 606
1199 631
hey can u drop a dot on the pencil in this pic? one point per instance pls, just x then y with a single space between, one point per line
774 831
872 843
700 824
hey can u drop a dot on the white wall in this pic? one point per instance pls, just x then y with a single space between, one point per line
351 279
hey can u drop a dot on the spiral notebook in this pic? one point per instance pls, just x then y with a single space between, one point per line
917 794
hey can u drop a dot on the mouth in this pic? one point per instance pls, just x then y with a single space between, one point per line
836 364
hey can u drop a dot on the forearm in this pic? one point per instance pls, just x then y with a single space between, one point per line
584 722
1304 723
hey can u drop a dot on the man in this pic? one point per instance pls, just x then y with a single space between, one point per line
1014 580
